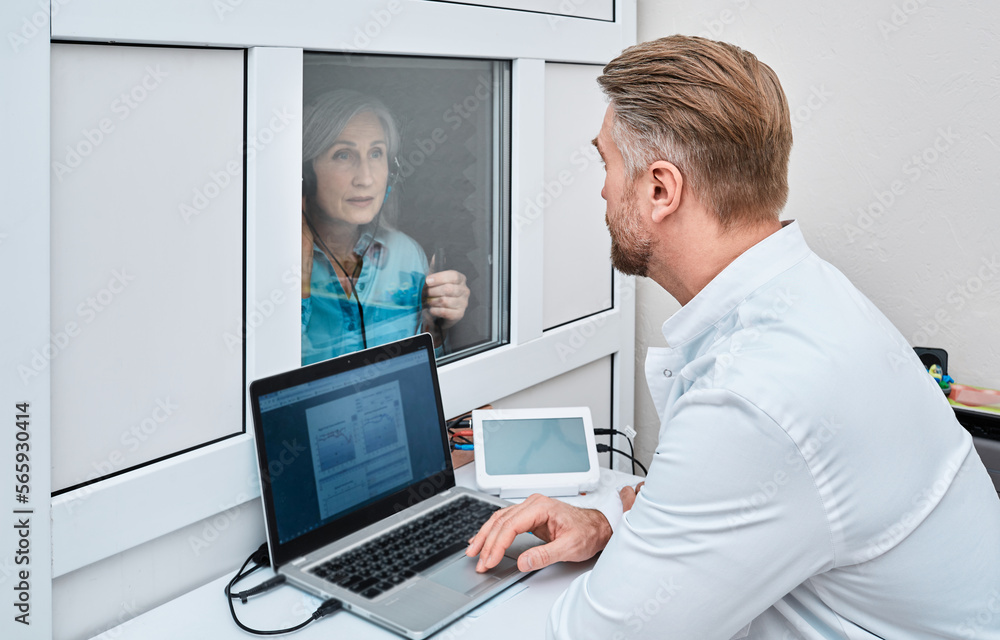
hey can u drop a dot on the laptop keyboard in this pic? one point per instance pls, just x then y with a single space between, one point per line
401 553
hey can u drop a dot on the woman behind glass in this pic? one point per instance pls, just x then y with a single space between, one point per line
363 282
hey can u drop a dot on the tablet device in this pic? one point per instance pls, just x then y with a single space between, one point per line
523 451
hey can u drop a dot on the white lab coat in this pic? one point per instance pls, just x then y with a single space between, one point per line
810 480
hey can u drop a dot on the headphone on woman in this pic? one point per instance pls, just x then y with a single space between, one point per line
309 186
310 183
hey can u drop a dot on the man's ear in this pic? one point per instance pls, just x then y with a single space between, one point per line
665 186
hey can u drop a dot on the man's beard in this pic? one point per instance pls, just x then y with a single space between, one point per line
631 246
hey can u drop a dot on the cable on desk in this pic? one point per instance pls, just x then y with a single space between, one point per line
460 432
459 422
603 448
260 559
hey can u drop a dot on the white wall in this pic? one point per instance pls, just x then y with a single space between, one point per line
895 172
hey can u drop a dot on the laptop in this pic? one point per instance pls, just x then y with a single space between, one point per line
359 492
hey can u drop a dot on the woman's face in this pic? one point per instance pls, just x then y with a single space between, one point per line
351 175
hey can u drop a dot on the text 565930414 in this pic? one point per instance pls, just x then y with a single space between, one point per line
22 512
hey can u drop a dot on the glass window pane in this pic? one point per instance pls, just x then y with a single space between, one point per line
404 194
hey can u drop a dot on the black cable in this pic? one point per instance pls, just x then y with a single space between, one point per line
265 586
260 560
353 277
456 423
603 448
631 447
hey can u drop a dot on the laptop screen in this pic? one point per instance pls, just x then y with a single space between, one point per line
346 434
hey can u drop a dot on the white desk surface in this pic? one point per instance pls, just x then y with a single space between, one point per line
518 612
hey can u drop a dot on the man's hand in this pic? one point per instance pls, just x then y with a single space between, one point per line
628 495
446 296
572 534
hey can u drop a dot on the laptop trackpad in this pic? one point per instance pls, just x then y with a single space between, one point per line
461 575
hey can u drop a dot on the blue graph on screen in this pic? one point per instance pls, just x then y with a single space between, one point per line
380 431
336 446
359 447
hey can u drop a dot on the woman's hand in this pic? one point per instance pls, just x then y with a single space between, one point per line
307 256
446 296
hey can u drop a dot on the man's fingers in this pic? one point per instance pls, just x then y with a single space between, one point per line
477 541
500 537
542 556
628 496
577 534
572 534
503 526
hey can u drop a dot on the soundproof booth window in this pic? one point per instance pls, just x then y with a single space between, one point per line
404 203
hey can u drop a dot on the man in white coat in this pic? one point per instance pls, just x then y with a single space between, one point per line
810 479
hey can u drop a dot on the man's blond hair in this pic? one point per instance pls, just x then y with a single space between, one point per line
713 110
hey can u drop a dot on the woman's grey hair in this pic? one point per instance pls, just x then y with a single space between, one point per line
323 120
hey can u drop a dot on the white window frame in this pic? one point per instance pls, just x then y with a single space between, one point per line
119 513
